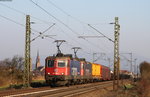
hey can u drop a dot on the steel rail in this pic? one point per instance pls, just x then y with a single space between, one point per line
53 92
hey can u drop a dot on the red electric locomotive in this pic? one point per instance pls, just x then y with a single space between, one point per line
57 70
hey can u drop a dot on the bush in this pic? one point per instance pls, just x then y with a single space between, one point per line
144 85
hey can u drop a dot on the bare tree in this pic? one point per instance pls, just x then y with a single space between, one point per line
11 69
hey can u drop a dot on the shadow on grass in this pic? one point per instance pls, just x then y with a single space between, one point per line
38 84
35 84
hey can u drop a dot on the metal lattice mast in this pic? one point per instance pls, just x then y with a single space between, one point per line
116 55
27 53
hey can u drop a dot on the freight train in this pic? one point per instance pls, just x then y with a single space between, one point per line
66 70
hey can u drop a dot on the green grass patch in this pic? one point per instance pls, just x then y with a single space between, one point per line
128 86
4 87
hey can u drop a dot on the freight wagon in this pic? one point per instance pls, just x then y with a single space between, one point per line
96 72
105 73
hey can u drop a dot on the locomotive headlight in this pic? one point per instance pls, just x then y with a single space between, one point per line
62 73
48 73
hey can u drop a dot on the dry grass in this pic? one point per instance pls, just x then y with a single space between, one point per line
5 81
38 78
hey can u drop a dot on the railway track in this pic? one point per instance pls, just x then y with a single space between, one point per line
58 91
79 90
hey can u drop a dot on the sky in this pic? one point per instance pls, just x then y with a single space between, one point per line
71 18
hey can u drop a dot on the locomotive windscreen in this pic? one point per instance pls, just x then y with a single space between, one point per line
61 63
50 63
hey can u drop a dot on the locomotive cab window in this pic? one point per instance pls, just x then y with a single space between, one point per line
61 63
50 63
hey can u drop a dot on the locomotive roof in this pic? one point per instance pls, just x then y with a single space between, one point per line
54 57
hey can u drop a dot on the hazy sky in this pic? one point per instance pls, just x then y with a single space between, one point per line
72 18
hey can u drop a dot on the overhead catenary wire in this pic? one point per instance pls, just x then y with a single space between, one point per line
74 40
69 36
69 14
16 22
18 11
66 12
102 43
12 20
55 17
83 39
125 57
106 47
68 42
58 7
94 45
81 49
80 42
24 25
101 33
72 46
50 2
43 32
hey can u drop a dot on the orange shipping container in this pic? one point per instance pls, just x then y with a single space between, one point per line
96 71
